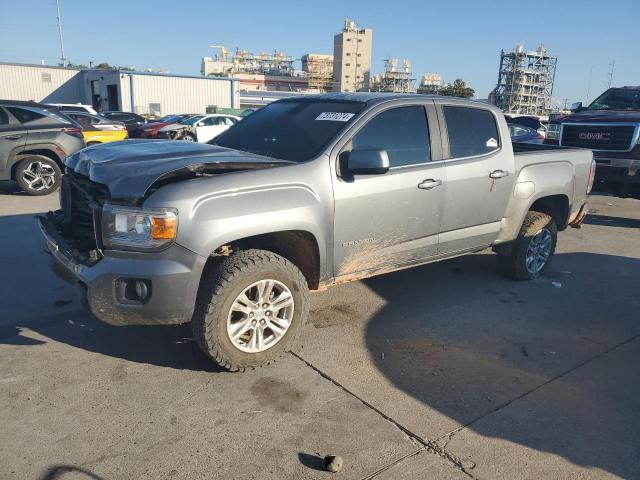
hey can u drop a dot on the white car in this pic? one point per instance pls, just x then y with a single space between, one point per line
74 107
200 128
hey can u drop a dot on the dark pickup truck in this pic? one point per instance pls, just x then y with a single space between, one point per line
610 126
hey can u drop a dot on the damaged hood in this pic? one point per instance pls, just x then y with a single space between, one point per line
129 168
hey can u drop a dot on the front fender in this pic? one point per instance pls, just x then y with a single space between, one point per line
221 209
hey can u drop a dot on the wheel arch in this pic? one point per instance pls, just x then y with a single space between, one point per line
43 150
300 247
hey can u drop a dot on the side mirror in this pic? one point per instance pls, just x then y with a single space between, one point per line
576 107
198 124
365 161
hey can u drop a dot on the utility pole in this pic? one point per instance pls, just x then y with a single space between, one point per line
63 59
565 103
612 65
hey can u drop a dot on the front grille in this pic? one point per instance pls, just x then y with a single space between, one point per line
598 137
81 201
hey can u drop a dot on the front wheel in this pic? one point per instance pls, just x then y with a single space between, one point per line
38 175
188 137
532 251
250 309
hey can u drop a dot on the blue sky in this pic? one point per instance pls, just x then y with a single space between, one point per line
459 39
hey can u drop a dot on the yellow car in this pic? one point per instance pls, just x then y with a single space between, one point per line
96 129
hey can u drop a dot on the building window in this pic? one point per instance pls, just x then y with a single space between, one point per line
346 76
359 54
359 64
348 54
347 65
359 40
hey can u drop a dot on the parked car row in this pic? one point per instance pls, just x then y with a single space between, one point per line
36 138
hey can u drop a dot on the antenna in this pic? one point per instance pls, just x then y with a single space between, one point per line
63 59
589 85
612 65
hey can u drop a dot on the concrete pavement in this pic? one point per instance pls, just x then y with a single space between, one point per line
442 371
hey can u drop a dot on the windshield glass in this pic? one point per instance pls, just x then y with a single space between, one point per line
617 99
169 118
294 130
191 120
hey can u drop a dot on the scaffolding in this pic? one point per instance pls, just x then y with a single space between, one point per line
394 80
264 64
525 81
319 71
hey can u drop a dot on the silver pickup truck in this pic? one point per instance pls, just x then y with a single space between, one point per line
304 194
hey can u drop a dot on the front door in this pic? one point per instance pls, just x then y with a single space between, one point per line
480 176
392 219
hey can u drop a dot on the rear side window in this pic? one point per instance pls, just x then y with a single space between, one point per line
25 116
472 131
402 132
4 118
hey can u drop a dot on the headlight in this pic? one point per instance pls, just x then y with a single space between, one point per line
130 228
553 131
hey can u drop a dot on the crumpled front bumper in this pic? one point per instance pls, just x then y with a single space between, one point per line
173 275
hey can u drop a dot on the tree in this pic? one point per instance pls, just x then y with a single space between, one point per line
459 88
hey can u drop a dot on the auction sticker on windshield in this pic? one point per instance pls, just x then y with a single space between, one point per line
335 116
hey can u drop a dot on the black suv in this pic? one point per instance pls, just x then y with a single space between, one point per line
34 141
132 121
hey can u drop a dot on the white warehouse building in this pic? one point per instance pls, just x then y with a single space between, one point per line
140 92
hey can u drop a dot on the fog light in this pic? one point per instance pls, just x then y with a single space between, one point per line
142 290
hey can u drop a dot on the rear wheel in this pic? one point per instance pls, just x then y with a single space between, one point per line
250 309
38 175
532 251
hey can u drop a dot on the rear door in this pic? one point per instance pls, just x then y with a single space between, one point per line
480 175
392 219
12 137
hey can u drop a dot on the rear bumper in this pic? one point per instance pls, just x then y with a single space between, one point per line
173 276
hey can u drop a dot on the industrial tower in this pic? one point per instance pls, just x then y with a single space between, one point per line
525 81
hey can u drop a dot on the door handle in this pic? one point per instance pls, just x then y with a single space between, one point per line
429 183
13 137
498 174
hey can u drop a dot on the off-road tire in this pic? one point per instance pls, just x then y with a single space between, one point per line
24 164
513 265
219 288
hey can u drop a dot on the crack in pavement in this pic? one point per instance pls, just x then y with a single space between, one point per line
433 446
450 435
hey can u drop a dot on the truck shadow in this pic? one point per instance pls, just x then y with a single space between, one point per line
38 307
467 343
609 221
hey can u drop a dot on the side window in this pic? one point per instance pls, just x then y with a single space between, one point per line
472 131
24 115
4 118
403 132
207 122
83 121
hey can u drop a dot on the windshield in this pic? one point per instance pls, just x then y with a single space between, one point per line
191 120
294 130
617 99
